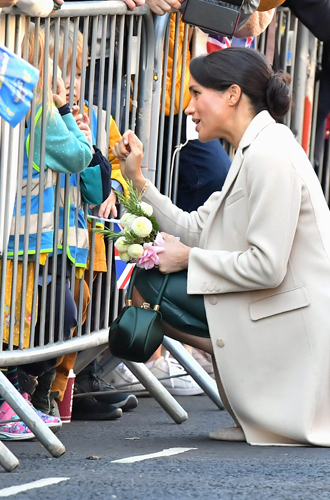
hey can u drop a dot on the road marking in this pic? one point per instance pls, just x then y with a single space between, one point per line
13 490
165 453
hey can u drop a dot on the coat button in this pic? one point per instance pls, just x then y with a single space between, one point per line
204 288
220 343
210 288
213 300
217 287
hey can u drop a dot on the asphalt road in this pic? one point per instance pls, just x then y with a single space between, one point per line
207 469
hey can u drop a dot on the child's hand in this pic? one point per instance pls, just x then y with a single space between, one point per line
82 121
83 124
109 205
60 97
77 115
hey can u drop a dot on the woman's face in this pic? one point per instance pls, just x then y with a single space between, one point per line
208 110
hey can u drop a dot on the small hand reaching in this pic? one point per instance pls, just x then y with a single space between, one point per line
82 121
109 205
60 96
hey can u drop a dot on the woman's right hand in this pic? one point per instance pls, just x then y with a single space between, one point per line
129 151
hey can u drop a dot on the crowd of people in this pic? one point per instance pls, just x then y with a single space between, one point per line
243 268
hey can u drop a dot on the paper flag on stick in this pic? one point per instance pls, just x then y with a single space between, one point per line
124 270
17 80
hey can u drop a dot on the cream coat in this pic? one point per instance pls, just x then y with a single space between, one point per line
261 258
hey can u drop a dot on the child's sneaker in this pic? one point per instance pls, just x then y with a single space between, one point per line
7 413
53 423
15 431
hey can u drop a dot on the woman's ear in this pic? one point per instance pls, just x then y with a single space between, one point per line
234 94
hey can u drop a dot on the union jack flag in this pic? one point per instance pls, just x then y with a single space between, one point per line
123 269
217 42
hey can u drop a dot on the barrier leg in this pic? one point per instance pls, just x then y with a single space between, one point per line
194 369
158 391
30 417
7 459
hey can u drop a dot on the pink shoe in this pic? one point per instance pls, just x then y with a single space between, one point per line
7 413
53 423
15 431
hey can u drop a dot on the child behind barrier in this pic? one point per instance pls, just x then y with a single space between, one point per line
107 407
63 134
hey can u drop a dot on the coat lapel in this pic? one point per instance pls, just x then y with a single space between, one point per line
259 122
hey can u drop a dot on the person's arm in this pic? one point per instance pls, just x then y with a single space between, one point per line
256 25
160 7
265 241
95 180
7 3
35 8
67 149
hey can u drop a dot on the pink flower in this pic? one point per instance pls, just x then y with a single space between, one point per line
150 258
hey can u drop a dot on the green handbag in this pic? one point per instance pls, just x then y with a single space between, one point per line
183 311
137 332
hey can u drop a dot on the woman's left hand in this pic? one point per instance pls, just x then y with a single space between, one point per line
175 255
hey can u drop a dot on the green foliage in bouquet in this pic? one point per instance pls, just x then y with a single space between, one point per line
136 213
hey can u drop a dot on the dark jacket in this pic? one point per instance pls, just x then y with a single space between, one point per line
314 14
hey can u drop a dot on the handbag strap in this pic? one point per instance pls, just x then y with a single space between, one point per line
160 292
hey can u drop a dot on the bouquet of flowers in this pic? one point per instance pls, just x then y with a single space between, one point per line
139 240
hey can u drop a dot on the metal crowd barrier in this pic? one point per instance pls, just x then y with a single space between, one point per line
129 51
137 49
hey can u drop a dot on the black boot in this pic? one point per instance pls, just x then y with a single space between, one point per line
27 383
41 396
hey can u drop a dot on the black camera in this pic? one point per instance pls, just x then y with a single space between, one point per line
213 15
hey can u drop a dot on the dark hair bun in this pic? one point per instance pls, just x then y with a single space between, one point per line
279 95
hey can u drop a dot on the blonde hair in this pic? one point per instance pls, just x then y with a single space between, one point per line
66 35
40 63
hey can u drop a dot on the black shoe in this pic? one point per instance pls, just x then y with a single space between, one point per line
53 410
41 396
87 408
91 384
27 383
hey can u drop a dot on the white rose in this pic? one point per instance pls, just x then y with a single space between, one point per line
121 244
135 251
123 220
129 221
147 209
142 227
124 256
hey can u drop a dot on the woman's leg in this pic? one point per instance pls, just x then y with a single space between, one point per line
232 433
170 331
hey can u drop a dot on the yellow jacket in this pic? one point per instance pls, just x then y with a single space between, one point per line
114 137
186 96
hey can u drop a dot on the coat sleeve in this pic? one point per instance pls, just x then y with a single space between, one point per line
67 148
95 180
273 194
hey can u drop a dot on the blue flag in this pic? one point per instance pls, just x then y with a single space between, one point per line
17 80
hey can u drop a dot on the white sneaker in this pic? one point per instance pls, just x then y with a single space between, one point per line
204 359
123 380
174 377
